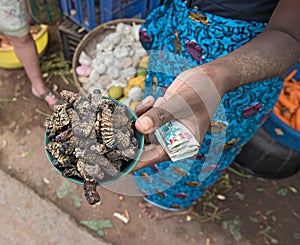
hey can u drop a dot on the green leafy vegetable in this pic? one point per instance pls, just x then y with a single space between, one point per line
234 227
76 200
282 191
97 225
63 189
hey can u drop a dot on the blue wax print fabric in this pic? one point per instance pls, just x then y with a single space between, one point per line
178 38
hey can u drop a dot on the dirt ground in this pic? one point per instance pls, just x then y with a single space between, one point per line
238 209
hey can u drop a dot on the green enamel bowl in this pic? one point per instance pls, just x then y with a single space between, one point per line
130 165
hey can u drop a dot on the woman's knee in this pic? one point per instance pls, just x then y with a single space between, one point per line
20 41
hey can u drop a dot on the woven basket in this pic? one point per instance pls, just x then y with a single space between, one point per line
88 43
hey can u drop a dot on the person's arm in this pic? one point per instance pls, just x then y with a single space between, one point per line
268 55
195 94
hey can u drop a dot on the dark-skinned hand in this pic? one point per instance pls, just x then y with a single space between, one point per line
191 99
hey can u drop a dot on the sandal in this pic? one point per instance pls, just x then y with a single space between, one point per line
49 92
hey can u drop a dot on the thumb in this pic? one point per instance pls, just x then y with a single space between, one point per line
153 118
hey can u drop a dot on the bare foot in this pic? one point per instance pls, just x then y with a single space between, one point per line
49 96
156 213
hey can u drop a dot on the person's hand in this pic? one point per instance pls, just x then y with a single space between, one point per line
191 99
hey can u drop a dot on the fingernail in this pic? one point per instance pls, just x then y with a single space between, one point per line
159 101
146 100
145 123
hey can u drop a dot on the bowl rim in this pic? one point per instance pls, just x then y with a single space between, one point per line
289 138
292 132
123 173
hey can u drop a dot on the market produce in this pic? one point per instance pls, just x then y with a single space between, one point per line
287 107
116 58
115 63
115 92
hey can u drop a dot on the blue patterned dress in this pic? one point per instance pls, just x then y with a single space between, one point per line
178 38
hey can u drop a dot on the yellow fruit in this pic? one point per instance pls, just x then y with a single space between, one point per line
144 62
131 82
126 91
141 81
122 99
136 81
133 104
125 101
142 86
141 71
115 92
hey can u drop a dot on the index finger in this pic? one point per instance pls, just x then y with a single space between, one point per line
144 105
152 119
170 106
152 154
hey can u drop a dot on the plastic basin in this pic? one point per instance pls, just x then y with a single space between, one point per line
283 133
8 58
